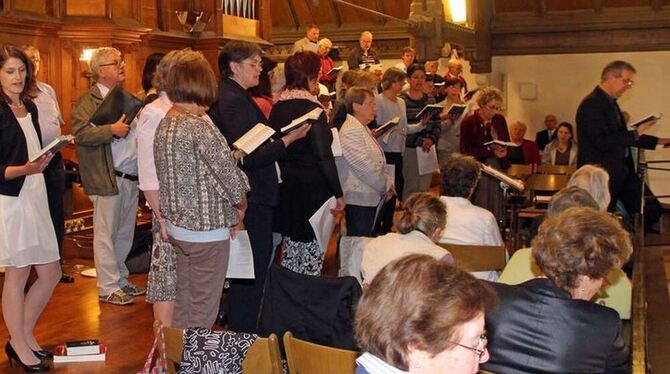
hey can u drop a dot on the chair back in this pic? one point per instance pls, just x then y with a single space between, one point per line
305 358
618 295
472 258
263 356
520 171
546 182
556 169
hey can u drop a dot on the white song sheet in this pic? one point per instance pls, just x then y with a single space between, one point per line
241 260
427 161
323 223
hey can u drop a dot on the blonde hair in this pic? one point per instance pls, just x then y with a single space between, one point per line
423 212
488 94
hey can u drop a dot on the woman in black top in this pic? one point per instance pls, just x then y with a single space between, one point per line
308 173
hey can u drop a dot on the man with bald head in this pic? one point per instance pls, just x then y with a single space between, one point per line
455 71
544 137
363 55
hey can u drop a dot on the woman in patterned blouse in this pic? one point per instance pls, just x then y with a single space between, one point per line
202 194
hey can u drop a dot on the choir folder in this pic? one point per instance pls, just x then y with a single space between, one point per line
116 103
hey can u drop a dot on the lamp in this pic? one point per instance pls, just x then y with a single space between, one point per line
193 22
86 54
458 10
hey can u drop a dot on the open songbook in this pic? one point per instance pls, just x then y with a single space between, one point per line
260 133
502 143
253 138
429 110
312 115
388 125
470 94
456 110
54 146
651 117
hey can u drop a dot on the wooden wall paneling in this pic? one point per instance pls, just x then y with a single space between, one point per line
34 6
149 13
86 8
352 15
504 6
560 5
127 9
323 13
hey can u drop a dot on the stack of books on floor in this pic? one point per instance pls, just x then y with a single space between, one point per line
80 351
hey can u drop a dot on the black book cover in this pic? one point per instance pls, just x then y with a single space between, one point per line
116 103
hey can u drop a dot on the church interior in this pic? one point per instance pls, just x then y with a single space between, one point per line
543 55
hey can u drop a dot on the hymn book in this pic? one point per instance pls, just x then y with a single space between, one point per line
253 138
61 355
54 146
312 115
470 94
501 143
334 70
388 125
429 110
652 117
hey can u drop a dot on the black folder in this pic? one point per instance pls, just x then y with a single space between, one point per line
116 103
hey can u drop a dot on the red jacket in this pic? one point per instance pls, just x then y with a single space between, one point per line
473 135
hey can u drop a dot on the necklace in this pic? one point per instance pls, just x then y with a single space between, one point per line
15 106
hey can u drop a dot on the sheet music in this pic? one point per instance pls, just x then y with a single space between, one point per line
427 161
241 259
323 223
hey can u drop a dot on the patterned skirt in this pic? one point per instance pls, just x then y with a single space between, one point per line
303 258
162 280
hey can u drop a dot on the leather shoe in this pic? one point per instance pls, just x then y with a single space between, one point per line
66 278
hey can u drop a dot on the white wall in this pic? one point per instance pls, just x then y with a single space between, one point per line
563 80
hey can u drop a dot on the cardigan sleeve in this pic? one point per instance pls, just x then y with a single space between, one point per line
322 139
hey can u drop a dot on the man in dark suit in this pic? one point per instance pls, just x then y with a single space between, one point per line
605 140
544 137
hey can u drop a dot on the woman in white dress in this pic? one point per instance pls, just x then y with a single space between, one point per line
27 236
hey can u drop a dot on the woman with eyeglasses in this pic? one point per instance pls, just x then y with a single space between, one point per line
549 324
234 114
421 315
485 125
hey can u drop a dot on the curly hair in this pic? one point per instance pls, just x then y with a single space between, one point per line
421 302
488 94
580 241
460 175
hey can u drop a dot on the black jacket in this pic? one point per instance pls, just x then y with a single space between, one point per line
234 114
539 328
604 139
13 146
542 138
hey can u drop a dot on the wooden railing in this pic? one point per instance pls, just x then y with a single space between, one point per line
639 307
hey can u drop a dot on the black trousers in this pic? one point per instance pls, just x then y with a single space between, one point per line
54 178
360 220
395 159
243 299
628 192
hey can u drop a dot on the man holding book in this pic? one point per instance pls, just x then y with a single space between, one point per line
605 140
363 55
108 170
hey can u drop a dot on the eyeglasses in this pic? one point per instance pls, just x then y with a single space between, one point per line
479 350
118 63
493 107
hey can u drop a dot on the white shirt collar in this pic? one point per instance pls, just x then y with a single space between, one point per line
375 365
104 90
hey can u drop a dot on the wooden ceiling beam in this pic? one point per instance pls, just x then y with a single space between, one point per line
336 13
379 6
294 14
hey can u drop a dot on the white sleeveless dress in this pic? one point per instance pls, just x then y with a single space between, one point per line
27 235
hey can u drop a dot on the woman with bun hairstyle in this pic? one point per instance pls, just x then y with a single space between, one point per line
419 227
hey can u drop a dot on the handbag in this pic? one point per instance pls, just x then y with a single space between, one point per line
156 362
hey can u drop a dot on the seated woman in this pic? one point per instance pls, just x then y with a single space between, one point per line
362 167
421 221
527 152
548 324
563 149
422 315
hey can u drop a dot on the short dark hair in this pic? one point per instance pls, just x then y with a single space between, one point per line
616 68
414 67
191 81
149 70
236 51
418 301
448 82
391 76
264 87
356 95
568 126
8 51
460 175
300 68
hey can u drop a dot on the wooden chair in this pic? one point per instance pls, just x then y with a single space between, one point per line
555 169
306 358
472 258
263 356
520 171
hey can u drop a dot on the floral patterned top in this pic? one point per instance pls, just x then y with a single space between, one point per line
200 183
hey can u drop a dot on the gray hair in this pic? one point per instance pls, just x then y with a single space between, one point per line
570 197
97 59
616 68
595 181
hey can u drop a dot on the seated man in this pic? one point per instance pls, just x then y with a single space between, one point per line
467 224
